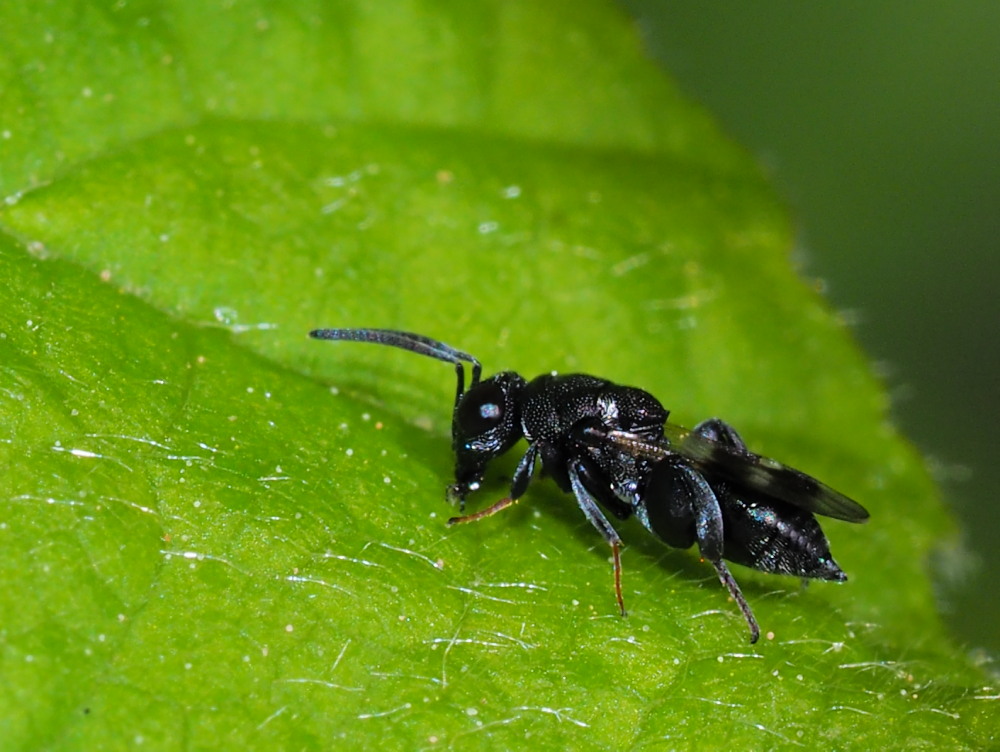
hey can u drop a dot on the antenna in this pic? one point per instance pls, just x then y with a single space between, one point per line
414 343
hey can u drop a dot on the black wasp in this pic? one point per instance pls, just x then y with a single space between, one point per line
612 448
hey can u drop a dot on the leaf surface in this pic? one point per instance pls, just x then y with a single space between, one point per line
218 533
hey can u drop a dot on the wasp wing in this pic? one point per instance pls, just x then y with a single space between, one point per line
745 470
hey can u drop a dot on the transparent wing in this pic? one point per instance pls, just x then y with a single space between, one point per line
748 471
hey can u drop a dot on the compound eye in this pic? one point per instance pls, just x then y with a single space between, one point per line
481 410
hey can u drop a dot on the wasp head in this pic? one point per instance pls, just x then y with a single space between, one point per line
485 424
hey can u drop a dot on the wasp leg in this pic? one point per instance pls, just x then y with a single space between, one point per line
717 430
710 535
593 513
525 469
726 578
680 507
491 510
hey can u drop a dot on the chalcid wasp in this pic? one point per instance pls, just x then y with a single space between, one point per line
612 448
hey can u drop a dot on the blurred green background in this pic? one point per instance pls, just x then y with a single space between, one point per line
880 123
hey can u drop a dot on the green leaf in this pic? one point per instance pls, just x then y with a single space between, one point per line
218 533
